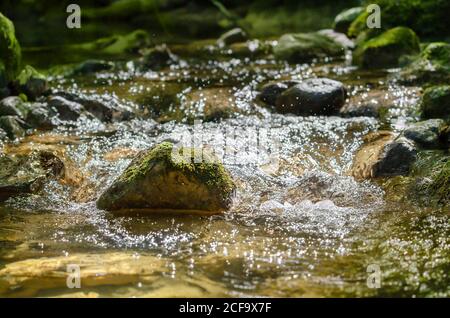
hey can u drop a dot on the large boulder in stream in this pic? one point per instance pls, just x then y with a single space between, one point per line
384 155
303 47
387 49
167 179
426 133
24 174
315 96
10 53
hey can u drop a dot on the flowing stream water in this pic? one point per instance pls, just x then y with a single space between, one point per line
299 225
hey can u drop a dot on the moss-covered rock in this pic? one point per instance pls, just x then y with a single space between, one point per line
302 47
387 49
10 53
427 17
344 19
425 133
436 102
31 83
430 183
166 178
432 66
27 173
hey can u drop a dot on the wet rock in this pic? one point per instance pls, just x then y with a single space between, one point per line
317 96
98 108
13 106
165 178
249 49
40 117
31 83
303 47
156 58
444 135
344 19
271 91
13 126
65 109
233 36
340 38
3 134
425 133
373 103
432 66
26 174
383 155
436 102
10 53
387 49
91 66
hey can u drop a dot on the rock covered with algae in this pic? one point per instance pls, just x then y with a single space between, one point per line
166 178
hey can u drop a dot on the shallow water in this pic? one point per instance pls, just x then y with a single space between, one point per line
299 226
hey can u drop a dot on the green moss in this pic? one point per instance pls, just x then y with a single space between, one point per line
436 102
426 17
10 52
344 19
28 73
209 171
431 184
358 25
386 49
431 67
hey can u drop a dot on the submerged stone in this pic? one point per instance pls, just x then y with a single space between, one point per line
316 96
344 19
10 53
303 47
383 155
26 174
425 133
387 49
165 178
436 102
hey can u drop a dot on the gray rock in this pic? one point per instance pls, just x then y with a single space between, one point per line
13 126
317 96
65 109
270 92
97 108
12 106
425 133
303 47
40 117
156 58
340 38
233 36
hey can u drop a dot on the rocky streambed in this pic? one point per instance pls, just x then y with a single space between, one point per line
319 169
